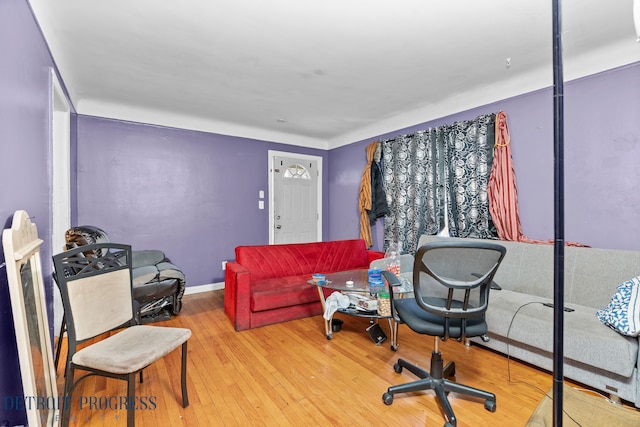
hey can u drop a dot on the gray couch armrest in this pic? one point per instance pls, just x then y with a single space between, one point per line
169 271
145 274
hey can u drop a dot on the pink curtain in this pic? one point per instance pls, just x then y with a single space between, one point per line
503 195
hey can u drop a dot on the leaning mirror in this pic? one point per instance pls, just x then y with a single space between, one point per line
26 289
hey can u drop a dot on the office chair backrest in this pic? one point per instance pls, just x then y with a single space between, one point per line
96 291
453 278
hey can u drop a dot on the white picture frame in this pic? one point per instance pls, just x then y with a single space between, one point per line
28 303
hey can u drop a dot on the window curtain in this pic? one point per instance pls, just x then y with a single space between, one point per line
468 160
365 199
503 192
411 173
439 173
502 186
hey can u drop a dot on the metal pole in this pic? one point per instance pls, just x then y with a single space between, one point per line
558 279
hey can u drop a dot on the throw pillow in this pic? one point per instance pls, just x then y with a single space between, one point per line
623 312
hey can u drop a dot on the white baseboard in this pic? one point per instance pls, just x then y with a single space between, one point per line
203 288
187 291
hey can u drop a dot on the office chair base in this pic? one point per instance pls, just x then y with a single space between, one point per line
437 381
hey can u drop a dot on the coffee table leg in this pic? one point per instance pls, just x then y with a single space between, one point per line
393 326
327 323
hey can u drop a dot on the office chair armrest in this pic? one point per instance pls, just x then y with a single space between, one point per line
393 281
391 278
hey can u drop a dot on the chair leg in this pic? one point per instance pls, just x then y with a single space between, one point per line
441 396
449 370
415 370
131 398
68 387
467 390
59 344
183 380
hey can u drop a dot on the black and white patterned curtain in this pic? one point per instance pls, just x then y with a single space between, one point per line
437 174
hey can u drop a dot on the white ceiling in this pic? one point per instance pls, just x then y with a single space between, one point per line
319 73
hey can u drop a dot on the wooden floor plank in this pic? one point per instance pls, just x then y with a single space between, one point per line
289 374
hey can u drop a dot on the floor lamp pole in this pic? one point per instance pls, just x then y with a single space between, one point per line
558 154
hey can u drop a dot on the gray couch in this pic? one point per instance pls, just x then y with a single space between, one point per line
522 327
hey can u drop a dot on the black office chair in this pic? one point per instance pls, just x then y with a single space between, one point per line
451 282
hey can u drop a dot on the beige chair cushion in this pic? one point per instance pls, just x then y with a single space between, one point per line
100 303
131 349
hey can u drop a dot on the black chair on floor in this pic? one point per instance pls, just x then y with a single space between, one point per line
451 281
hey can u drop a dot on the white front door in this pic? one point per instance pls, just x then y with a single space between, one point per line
295 195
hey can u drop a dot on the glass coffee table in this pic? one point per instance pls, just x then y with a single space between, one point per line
357 281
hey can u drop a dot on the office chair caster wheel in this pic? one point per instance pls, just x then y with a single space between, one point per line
490 405
394 347
387 398
397 367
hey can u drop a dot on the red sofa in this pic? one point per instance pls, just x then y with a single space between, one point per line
268 283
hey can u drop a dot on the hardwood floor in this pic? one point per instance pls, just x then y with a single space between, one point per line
289 374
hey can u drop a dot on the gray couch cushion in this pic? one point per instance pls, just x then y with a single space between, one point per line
586 339
596 273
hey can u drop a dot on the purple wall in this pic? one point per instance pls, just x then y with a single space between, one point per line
24 162
193 195
602 151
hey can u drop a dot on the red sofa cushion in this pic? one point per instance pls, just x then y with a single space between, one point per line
298 259
282 292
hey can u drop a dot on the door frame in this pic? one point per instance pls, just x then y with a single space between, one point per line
60 134
272 154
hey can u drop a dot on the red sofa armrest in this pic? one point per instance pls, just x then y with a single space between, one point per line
237 284
374 255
